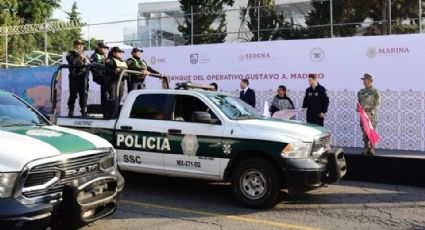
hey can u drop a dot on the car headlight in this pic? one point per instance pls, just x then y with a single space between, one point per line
297 150
7 183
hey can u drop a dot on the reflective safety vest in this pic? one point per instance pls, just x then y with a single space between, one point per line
99 75
120 64
100 58
144 66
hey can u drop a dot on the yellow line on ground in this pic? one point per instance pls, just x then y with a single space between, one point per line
231 217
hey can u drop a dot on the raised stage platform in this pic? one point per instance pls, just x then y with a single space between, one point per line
388 166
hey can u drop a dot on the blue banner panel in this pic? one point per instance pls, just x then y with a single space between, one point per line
31 84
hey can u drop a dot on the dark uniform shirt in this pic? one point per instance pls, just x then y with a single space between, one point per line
73 57
316 100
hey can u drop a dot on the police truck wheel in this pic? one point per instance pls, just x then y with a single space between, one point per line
256 183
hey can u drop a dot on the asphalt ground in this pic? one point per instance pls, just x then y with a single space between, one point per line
154 202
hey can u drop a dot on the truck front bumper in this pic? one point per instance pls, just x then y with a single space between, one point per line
15 215
75 208
307 174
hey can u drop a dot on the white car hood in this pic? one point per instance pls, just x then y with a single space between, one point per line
21 145
302 131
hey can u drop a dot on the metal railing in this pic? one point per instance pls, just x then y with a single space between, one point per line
54 89
294 20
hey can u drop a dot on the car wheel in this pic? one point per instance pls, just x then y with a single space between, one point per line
256 183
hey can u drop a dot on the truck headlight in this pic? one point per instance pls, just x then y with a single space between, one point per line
109 163
7 183
297 150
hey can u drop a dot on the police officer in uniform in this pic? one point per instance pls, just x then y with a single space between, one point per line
316 101
116 65
78 78
370 99
135 62
99 75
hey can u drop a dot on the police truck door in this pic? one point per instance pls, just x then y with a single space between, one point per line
196 146
140 137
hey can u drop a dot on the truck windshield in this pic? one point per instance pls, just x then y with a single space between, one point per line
234 108
14 112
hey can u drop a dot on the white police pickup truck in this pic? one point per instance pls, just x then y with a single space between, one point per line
215 136
49 175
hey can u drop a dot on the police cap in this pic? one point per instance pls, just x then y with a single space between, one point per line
135 50
102 45
78 41
117 49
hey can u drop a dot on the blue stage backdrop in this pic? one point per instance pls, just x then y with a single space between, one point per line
32 84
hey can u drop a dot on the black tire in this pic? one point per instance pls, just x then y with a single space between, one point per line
256 183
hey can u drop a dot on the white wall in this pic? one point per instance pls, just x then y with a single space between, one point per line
396 61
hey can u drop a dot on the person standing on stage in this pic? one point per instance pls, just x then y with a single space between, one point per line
370 99
316 101
247 95
281 101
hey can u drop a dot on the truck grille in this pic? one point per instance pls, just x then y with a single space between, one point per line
39 178
65 171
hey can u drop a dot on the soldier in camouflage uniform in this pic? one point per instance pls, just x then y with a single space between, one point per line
370 99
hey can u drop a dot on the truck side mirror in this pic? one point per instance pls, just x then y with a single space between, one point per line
203 117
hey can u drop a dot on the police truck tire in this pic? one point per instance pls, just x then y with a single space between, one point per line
256 183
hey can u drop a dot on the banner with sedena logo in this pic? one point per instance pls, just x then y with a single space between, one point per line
396 62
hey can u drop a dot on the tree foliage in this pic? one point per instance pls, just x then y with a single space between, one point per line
60 41
261 19
266 23
354 14
74 16
14 12
209 23
344 11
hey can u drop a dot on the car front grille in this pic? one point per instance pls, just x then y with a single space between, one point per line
63 172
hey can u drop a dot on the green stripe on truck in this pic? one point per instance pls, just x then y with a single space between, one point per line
62 141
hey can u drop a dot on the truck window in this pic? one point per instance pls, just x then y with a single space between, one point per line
185 105
149 106
234 108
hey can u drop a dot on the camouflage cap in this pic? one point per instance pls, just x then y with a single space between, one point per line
367 76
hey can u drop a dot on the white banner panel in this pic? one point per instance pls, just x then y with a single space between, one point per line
395 61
